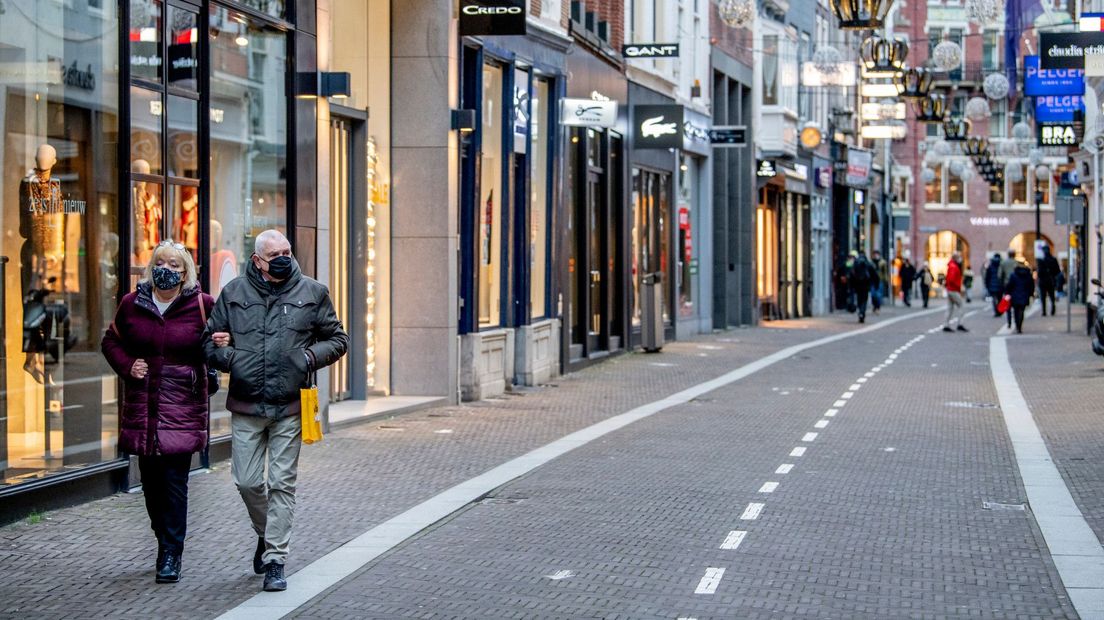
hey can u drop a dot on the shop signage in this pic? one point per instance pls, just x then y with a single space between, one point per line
1058 108
492 17
728 136
1041 82
1057 134
824 177
658 126
766 169
858 166
650 50
78 78
1067 50
588 113
990 221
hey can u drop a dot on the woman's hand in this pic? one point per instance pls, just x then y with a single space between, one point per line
139 369
221 339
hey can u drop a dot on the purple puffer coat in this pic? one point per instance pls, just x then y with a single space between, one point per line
165 413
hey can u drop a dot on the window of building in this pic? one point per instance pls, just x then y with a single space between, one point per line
998 119
489 207
59 212
771 52
996 194
933 190
990 50
540 129
1017 190
956 189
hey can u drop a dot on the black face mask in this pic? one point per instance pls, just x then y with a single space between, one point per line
166 279
280 267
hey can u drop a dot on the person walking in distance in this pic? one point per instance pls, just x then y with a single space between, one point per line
992 281
1007 266
155 345
878 291
1020 288
953 284
908 275
271 329
863 278
926 278
1048 274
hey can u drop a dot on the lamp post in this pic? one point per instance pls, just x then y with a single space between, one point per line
1038 219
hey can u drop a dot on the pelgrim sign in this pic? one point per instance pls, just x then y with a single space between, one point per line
492 17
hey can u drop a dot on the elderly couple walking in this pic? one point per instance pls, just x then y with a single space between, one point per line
271 329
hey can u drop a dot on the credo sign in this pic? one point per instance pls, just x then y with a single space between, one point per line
488 17
588 113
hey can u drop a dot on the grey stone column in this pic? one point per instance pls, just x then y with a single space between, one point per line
424 198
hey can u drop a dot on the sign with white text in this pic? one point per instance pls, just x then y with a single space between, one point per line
650 50
487 17
1041 82
588 113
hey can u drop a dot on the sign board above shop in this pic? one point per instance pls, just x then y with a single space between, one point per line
1058 134
1059 108
492 17
728 136
1067 50
588 113
650 50
1040 82
657 126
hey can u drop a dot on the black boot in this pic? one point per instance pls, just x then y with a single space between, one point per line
160 557
274 578
169 570
258 565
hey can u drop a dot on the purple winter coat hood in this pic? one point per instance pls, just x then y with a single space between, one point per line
165 413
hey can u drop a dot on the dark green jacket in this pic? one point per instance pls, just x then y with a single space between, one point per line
273 330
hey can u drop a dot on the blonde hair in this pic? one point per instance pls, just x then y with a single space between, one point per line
169 250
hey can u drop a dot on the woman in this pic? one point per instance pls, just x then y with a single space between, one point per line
155 345
926 278
1021 287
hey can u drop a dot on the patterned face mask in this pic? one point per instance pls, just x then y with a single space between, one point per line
166 279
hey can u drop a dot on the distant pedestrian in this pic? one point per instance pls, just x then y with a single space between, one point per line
1007 266
878 291
953 284
271 329
1020 287
155 345
926 279
1049 273
992 282
863 277
967 283
908 275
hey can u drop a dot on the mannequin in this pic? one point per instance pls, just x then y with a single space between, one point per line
186 226
224 265
41 222
147 215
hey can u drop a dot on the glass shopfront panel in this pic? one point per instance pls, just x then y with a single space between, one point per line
59 251
540 133
491 199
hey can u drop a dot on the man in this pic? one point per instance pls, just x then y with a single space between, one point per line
1007 266
271 329
878 291
926 278
953 284
908 275
992 281
863 277
1049 270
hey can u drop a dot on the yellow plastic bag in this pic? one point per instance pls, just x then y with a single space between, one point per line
312 417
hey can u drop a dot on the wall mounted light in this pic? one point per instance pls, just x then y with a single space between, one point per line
310 84
463 120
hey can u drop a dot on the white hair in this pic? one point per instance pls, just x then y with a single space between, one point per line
266 237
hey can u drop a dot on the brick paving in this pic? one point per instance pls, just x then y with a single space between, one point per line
882 517
96 559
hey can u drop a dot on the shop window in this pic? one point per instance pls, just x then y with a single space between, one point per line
956 189
939 248
688 172
933 190
540 131
60 247
1024 245
996 194
770 69
491 199
1042 184
1017 191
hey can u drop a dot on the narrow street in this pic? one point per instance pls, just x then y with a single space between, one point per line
812 469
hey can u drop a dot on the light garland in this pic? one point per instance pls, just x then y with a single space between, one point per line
827 60
376 196
1021 131
736 13
1014 172
977 108
985 12
947 55
996 86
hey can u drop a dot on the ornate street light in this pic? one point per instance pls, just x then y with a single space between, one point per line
932 109
736 13
976 145
861 14
883 56
913 83
955 129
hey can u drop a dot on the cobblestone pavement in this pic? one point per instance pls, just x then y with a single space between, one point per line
882 516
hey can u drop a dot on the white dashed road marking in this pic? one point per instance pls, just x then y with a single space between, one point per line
784 468
839 403
752 512
733 540
797 452
809 437
821 423
768 487
709 582
831 413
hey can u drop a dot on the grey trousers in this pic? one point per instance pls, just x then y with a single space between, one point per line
954 309
271 502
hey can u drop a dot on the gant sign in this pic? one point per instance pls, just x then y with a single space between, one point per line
492 17
650 50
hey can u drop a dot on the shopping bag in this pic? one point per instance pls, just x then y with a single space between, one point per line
312 420
1004 304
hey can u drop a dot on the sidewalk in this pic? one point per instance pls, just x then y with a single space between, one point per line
96 559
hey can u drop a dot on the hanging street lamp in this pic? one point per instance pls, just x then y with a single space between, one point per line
861 14
913 83
955 129
932 109
882 57
976 145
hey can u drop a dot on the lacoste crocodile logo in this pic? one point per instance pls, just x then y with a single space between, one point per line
654 128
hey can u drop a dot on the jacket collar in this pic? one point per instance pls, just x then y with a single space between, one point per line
266 288
144 298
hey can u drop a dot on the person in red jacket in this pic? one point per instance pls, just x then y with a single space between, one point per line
155 345
953 284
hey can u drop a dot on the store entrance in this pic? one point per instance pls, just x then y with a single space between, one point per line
651 240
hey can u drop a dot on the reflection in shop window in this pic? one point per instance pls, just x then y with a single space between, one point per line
491 198
59 251
538 209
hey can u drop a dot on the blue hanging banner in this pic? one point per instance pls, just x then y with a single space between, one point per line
1059 108
1041 82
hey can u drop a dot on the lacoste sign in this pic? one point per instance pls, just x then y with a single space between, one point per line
650 50
658 126
492 17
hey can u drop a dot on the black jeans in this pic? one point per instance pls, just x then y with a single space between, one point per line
861 296
996 297
1044 293
1018 311
165 485
925 292
906 294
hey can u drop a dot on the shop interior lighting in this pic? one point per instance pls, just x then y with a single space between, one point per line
861 14
147 35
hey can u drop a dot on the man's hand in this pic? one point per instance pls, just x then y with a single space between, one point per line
221 339
139 369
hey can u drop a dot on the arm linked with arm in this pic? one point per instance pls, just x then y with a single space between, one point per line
218 357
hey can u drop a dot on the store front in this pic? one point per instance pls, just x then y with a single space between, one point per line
508 190
182 134
693 247
820 249
794 231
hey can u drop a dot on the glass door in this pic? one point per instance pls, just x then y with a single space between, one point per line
340 191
